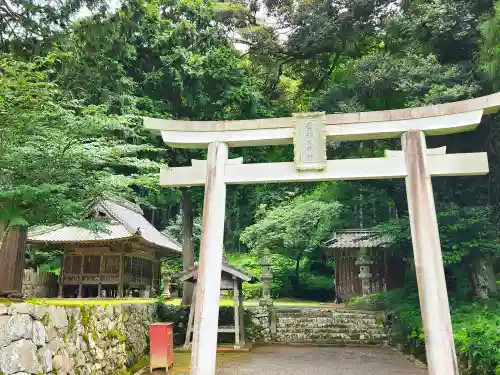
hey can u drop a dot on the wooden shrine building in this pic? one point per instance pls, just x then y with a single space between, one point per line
119 258
365 263
231 280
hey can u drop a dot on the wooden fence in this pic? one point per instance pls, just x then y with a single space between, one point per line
39 284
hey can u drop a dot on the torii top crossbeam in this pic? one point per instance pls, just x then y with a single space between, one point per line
432 120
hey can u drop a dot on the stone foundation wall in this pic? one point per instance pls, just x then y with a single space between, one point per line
258 328
72 340
105 340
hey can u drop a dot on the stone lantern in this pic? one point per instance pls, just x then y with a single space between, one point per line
266 278
166 287
364 262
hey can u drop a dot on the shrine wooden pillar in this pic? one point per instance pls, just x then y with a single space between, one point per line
120 293
61 274
80 286
12 262
206 315
440 348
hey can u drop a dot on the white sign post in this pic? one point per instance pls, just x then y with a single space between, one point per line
309 134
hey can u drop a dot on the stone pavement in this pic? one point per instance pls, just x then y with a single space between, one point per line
285 360
293 360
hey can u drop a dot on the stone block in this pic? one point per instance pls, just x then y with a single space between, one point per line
55 345
39 312
45 358
51 332
19 326
58 316
61 362
19 356
74 312
4 336
21 308
4 309
39 336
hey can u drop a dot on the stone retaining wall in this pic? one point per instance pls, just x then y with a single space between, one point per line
72 340
258 328
329 327
105 340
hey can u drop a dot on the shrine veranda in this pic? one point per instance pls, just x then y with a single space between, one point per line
309 133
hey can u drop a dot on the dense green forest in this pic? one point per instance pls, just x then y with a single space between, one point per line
76 77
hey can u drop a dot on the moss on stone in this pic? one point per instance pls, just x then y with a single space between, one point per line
71 322
85 317
138 365
111 333
45 319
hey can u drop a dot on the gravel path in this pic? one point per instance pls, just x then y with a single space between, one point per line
283 360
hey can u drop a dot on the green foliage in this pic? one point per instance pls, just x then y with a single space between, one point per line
43 162
296 227
384 81
477 335
464 231
252 291
475 328
489 53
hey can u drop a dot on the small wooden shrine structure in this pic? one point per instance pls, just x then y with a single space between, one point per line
119 258
365 263
231 279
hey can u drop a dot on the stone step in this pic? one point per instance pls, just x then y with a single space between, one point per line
313 324
331 319
328 314
299 328
314 331
330 342
330 335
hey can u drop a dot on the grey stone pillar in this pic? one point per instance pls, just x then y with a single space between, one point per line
266 278
364 262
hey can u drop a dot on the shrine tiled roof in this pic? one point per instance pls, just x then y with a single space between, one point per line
357 238
227 268
121 220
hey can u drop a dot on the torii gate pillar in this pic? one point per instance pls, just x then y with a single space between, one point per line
436 318
204 349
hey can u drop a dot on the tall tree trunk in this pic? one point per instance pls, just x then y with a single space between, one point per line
483 281
4 227
12 261
187 243
297 274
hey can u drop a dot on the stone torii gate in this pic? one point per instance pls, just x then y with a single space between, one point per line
309 134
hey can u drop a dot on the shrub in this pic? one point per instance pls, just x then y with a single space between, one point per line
252 291
476 330
316 287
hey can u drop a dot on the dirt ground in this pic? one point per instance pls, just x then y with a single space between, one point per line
285 360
